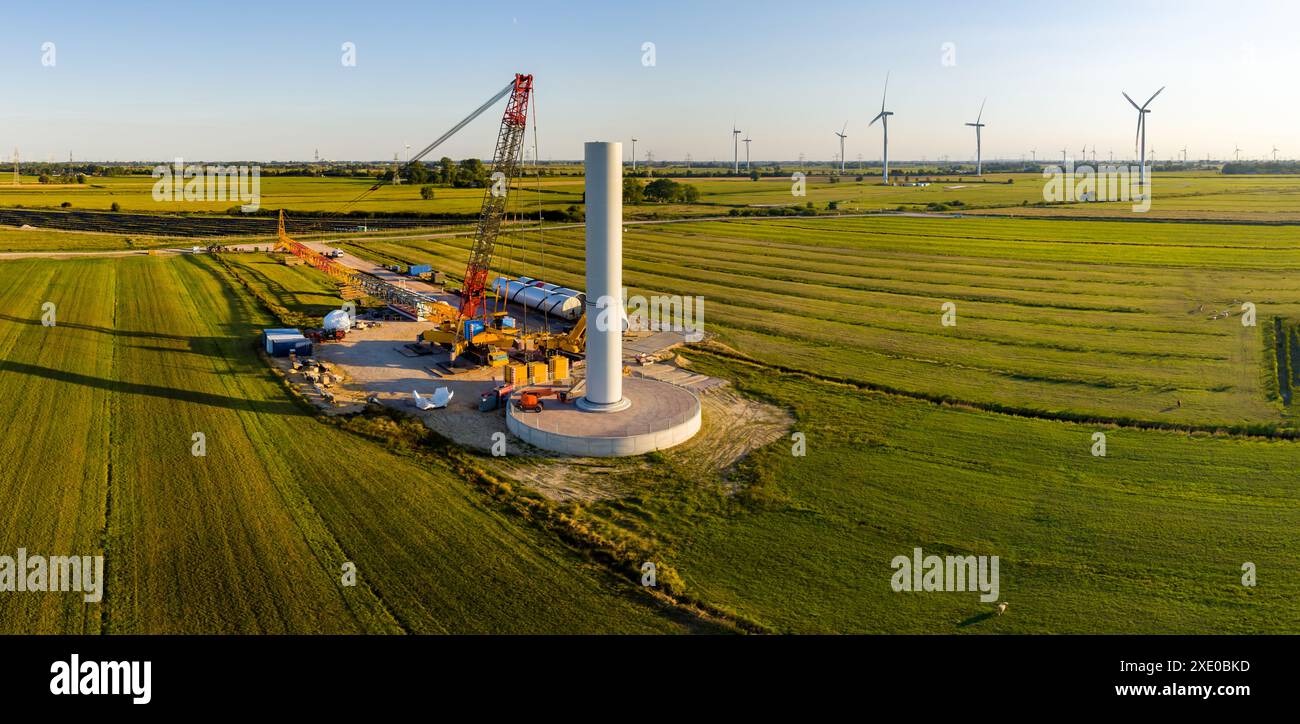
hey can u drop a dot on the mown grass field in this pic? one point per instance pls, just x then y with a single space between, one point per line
301 289
251 537
323 194
1149 539
1055 319
1098 319
23 240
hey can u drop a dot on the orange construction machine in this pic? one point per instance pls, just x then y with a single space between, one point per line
530 400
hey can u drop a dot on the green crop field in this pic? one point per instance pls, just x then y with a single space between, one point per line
1149 539
323 195
1080 324
1098 319
968 439
25 240
251 537
1176 195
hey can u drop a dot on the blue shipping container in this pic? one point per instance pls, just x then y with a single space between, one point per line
508 322
279 345
273 332
472 327
282 348
418 269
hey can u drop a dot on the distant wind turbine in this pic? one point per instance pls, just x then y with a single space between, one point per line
1236 152
747 139
1275 153
842 136
977 126
1140 137
883 117
633 155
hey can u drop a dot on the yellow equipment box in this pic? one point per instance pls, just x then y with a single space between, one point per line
537 372
559 366
516 374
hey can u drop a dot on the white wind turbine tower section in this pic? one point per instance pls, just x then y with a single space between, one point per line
1275 154
735 149
1236 152
842 136
634 155
883 117
979 167
747 139
1141 137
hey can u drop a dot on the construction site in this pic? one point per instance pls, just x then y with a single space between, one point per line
561 369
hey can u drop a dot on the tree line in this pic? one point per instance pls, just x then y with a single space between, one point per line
659 191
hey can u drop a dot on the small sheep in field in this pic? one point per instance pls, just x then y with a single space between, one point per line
1002 608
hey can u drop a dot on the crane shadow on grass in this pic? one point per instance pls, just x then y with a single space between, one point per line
274 407
977 618
93 328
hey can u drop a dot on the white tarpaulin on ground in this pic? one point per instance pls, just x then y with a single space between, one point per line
441 397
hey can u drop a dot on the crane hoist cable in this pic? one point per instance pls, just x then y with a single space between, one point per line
541 233
505 164
429 148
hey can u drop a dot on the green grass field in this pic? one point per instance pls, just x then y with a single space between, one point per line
23 240
1176 195
1149 539
250 538
324 194
1092 319
974 439
1055 319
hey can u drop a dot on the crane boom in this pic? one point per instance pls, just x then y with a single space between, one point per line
506 159
477 112
411 303
405 168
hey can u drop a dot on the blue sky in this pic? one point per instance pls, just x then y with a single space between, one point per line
264 81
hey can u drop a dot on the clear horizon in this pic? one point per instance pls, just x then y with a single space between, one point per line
259 83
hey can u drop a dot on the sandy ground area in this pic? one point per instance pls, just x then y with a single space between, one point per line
374 363
734 425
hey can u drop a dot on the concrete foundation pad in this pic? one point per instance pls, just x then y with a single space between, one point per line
588 406
660 416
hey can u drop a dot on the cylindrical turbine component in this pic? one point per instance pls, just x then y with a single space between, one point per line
547 298
604 188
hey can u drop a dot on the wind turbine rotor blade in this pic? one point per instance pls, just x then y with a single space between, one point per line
878 117
1130 100
981 115
1153 97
